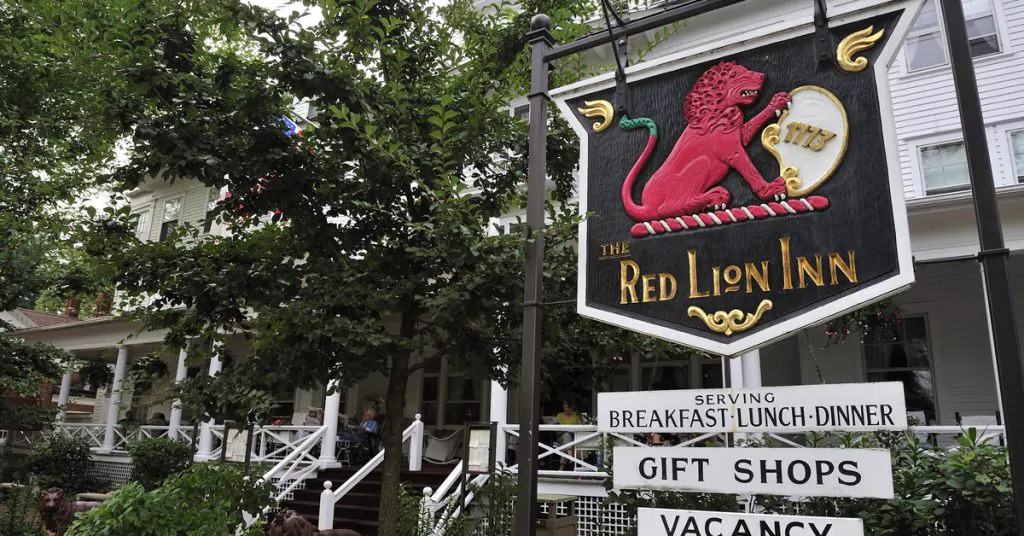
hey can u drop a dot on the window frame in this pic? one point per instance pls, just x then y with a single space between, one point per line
163 216
212 198
932 359
1000 33
144 223
921 167
1016 175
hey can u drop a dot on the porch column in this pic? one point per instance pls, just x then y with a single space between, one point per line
751 368
116 391
65 392
205 451
179 376
499 415
332 408
736 372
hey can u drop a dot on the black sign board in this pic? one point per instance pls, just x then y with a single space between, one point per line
747 191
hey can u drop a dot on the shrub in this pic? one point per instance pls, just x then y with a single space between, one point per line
61 461
156 459
19 513
206 499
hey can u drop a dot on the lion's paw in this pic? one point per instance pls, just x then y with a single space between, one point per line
771 191
780 100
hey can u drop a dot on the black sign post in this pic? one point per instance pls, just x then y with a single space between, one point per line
529 380
993 254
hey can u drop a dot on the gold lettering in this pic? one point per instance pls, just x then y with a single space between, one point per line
668 285
761 277
648 287
716 278
627 284
615 250
787 273
604 250
732 275
810 137
625 248
695 292
819 143
791 129
803 132
849 270
804 267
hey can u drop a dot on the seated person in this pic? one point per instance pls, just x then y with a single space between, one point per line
355 432
568 416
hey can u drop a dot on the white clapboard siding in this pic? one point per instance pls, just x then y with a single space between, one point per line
924 103
194 198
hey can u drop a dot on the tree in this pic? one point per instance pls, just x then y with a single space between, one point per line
54 137
364 245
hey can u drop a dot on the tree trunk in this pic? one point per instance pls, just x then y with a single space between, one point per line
391 477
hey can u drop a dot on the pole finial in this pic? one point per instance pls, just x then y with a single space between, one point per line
540 21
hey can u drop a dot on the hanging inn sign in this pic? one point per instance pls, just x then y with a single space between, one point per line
749 186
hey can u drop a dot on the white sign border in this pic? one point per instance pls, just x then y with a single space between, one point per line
851 526
828 393
737 42
876 482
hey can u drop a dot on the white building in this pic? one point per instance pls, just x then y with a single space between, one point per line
943 354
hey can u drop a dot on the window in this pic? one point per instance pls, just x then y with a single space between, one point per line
211 204
906 359
172 214
142 225
1017 146
926 44
450 398
944 168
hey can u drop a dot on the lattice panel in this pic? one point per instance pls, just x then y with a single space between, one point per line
281 484
593 518
111 473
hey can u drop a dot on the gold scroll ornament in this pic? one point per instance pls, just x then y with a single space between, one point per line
599 108
812 139
858 41
730 322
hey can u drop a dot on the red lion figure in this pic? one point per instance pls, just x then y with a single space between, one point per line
712 143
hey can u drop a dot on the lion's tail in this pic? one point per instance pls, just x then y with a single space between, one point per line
635 211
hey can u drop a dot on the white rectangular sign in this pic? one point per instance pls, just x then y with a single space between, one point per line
661 522
770 471
851 407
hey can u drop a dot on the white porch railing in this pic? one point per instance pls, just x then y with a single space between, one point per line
298 465
329 497
439 508
270 443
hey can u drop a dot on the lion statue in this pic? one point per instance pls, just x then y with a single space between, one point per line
713 143
58 512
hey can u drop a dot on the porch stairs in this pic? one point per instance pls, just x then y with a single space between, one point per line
359 509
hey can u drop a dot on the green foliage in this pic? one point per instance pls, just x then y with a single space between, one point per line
23 370
961 491
205 500
19 513
878 321
61 461
491 512
97 373
156 459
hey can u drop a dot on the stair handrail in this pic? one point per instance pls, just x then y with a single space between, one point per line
446 503
329 497
433 499
295 462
